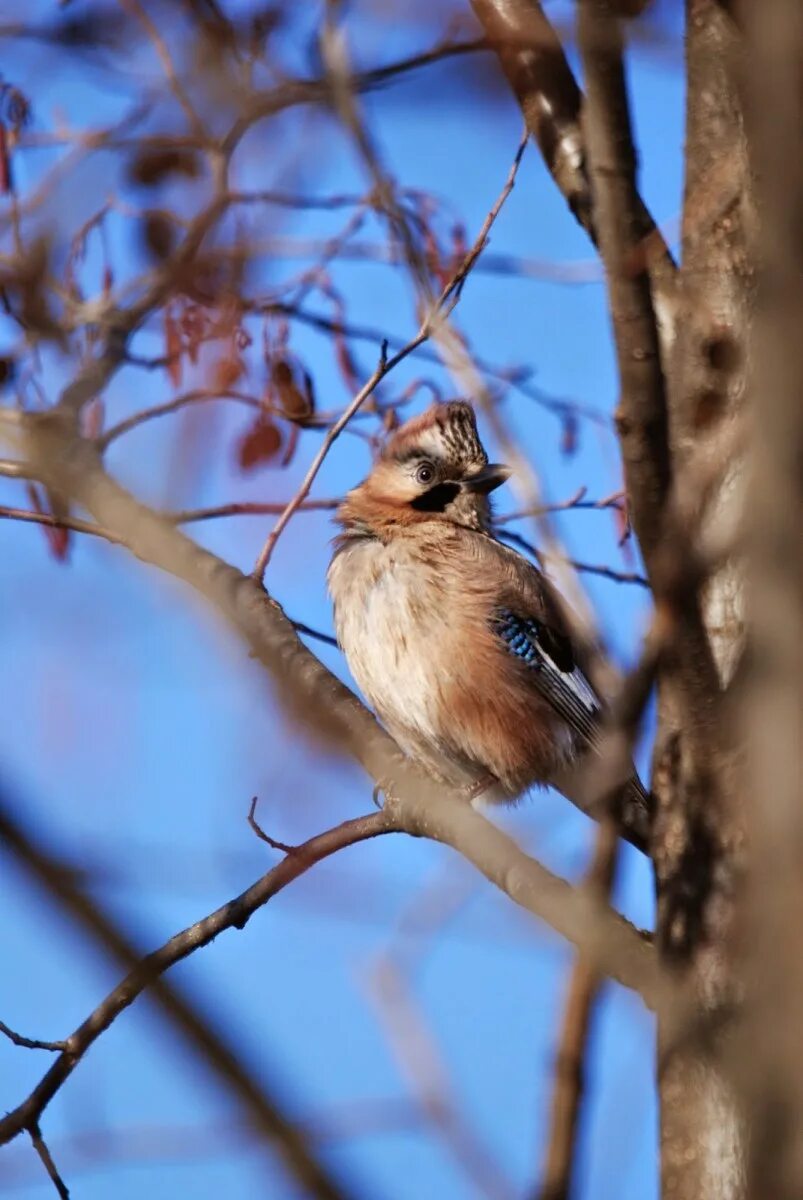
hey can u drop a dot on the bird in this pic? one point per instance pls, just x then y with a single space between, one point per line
459 643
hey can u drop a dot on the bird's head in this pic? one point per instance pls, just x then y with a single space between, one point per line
433 468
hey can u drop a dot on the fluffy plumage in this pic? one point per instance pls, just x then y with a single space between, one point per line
457 641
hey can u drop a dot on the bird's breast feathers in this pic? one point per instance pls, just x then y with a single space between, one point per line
393 623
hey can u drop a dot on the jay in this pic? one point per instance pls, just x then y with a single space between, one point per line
458 642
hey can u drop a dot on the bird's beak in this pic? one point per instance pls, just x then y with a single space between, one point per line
490 477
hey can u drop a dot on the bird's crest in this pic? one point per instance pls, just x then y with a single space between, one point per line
446 432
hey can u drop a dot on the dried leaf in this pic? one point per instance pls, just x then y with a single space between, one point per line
261 443
290 398
226 372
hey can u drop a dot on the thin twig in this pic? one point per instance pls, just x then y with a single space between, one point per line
249 508
265 837
135 9
40 1146
600 569
49 521
420 1058
29 1043
197 395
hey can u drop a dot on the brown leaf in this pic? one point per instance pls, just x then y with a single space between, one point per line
290 398
226 372
261 443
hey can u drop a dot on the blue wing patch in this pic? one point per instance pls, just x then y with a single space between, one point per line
550 657
519 635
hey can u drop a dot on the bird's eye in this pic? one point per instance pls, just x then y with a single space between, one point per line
425 473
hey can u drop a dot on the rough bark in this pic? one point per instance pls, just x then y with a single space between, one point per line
770 1048
699 828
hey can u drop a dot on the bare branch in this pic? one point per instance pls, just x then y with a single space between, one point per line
264 837
29 1043
145 972
578 1012
537 70
134 8
642 413
584 568
40 1146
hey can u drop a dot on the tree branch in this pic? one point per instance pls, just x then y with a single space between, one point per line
539 74
263 1110
578 1013
41 1148
642 414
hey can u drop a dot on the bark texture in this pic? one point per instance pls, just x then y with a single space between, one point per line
769 1055
699 832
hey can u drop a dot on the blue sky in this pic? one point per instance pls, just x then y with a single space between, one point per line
135 729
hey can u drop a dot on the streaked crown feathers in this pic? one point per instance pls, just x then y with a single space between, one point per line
446 432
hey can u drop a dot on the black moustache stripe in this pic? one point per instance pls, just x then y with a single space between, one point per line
436 498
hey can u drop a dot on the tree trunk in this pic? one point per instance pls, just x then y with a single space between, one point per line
699 828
